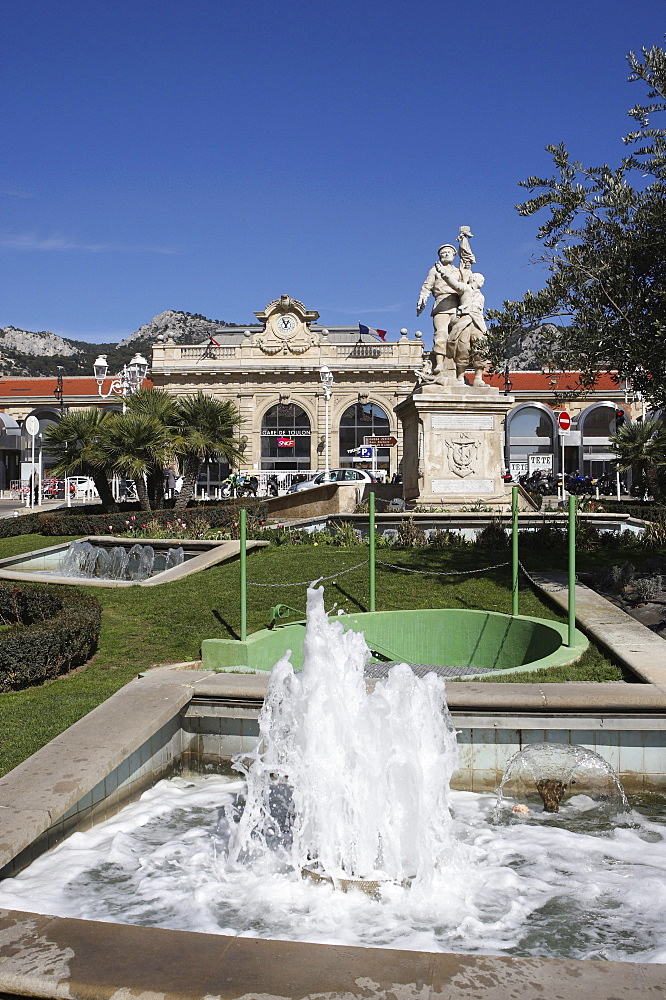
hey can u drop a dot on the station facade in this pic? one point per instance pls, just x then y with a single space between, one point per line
273 370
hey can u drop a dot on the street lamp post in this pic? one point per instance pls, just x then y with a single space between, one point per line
326 376
128 381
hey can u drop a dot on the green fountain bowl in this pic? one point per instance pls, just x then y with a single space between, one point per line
449 637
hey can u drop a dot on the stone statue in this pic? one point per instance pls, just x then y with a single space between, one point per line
457 313
468 330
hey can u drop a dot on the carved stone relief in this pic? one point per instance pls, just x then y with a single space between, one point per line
462 453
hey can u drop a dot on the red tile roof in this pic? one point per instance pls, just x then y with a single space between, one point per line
553 382
73 385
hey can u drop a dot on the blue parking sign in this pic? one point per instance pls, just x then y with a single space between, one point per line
366 452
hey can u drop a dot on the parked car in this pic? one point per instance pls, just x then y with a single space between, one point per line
334 476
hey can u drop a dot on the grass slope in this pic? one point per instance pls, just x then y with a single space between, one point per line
146 626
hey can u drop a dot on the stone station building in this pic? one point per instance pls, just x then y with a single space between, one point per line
271 371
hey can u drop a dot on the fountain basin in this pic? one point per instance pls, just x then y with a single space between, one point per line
468 643
187 718
45 565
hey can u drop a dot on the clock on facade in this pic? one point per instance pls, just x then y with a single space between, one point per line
285 326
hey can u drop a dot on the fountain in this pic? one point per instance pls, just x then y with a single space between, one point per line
84 559
551 770
348 788
363 776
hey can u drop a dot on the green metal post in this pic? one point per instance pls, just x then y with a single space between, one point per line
514 550
572 570
371 526
243 575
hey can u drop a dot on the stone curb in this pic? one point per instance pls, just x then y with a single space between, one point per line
631 644
53 957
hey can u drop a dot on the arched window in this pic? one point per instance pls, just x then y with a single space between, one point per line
599 422
285 438
597 425
530 433
357 422
46 418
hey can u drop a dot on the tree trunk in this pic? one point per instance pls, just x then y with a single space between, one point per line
155 482
190 476
109 505
142 493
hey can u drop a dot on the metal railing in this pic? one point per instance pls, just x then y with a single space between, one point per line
209 353
364 350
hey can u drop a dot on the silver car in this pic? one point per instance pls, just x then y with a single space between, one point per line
334 476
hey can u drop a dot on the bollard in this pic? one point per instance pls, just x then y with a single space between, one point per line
572 571
514 550
243 575
371 559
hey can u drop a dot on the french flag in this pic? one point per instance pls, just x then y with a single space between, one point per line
380 334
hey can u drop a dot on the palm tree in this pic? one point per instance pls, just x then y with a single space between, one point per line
163 406
206 431
77 443
135 444
641 446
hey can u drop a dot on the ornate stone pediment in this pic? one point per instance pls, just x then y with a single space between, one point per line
286 327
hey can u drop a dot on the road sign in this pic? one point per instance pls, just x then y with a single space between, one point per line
32 425
564 421
385 441
366 452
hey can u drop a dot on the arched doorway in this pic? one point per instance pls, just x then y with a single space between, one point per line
531 431
362 420
285 439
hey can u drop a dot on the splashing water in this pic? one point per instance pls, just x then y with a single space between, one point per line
551 772
139 562
348 783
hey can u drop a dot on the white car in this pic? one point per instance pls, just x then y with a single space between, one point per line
334 476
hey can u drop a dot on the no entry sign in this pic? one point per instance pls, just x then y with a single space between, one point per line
564 420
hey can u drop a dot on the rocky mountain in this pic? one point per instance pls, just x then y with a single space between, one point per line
529 351
23 352
184 328
27 353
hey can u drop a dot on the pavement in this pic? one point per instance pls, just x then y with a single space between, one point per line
8 508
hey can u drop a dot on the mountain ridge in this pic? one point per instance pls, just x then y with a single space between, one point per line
26 353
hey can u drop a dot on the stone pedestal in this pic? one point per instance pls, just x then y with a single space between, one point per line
453 445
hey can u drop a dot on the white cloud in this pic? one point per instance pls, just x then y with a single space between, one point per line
32 241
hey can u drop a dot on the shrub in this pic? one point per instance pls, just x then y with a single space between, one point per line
410 534
654 535
24 524
493 536
646 588
537 499
546 536
443 538
225 516
49 632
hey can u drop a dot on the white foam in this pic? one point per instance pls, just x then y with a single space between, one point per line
520 889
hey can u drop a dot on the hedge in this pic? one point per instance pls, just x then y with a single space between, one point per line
64 521
49 632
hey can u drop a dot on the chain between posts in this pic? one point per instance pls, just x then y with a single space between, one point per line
307 583
435 572
404 569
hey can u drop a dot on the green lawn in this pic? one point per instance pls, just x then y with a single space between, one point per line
146 626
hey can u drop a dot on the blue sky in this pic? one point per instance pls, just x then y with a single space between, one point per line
210 156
